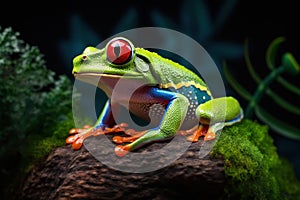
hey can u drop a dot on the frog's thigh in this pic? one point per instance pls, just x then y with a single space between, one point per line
170 123
216 110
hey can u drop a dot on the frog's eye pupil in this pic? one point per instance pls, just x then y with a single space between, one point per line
119 51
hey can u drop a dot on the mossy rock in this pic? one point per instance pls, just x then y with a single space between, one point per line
243 164
253 168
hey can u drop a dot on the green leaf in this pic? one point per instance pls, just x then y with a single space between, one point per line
249 65
127 21
224 14
270 59
277 98
272 51
235 85
162 21
203 21
278 125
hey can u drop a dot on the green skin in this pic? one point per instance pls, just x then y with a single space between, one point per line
147 79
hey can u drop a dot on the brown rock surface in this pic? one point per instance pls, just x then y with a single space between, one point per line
68 174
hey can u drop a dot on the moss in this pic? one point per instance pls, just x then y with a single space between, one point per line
252 166
36 102
39 146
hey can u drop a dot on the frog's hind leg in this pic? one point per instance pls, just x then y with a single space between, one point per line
169 126
214 115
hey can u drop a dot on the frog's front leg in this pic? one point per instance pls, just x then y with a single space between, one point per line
102 125
214 115
170 123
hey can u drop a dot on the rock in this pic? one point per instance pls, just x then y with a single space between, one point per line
69 174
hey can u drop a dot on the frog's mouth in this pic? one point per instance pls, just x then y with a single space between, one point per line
76 74
132 75
107 82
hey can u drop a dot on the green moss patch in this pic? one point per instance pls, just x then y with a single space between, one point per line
252 166
39 146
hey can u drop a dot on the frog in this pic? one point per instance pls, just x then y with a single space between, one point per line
156 89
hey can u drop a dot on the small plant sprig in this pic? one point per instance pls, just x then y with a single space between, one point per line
288 65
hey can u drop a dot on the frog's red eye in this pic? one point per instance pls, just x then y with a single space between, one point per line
119 51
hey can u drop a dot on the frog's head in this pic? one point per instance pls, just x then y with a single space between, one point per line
117 60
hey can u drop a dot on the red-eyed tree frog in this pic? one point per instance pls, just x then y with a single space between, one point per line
153 88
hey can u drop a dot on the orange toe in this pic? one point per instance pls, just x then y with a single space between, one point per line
209 136
193 138
71 139
77 144
118 139
121 150
74 131
196 134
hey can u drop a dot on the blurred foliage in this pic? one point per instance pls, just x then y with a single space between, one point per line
284 95
196 21
252 166
81 34
34 104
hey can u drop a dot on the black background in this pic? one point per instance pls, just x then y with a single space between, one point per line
46 23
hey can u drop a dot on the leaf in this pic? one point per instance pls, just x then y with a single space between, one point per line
270 59
276 98
224 14
128 20
278 125
80 36
162 21
235 85
249 65
272 51
228 50
203 21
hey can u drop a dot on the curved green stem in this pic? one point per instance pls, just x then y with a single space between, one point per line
261 89
235 85
270 60
278 125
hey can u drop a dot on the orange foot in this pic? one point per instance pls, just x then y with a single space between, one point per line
134 135
197 132
123 150
79 135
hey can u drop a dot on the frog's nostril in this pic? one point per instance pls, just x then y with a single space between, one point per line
84 57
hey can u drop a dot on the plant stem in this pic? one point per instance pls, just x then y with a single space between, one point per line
261 89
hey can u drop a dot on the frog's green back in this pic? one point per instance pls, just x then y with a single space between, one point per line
170 73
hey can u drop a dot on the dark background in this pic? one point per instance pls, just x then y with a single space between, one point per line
62 29
46 24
